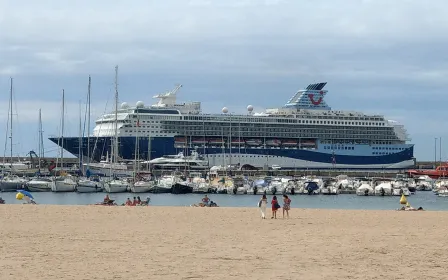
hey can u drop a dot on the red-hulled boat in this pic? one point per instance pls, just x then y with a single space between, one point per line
440 171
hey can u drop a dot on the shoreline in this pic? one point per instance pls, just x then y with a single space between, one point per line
223 207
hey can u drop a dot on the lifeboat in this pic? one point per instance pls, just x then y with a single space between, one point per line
199 141
289 143
180 140
274 142
216 141
238 142
253 142
439 172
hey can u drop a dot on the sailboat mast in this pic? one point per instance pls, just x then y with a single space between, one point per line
116 116
80 138
137 148
10 120
40 137
62 130
88 121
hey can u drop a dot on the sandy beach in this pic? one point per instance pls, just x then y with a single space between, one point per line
95 242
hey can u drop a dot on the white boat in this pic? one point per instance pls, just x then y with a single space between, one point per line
89 185
108 169
365 190
165 184
401 191
383 188
331 187
63 184
142 186
179 162
424 183
200 187
39 185
11 183
116 186
443 192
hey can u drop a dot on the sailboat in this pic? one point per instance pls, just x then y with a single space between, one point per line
115 184
63 182
10 183
88 184
40 184
139 184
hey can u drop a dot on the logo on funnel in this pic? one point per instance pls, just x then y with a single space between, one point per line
318 101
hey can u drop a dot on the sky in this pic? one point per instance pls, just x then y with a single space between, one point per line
383 57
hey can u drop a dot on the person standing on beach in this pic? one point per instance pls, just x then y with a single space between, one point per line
263 205
275 206
286 205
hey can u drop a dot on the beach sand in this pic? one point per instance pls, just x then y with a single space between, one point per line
95 242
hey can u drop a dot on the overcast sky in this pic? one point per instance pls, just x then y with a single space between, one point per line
385 57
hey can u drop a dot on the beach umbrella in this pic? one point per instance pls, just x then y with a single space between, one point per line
25 193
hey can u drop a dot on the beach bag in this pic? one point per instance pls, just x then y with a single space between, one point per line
277 206
259 203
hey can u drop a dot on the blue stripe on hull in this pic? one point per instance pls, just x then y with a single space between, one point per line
161 146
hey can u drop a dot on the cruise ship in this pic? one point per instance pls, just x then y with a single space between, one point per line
305 133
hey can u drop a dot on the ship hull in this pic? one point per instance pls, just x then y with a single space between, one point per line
259 157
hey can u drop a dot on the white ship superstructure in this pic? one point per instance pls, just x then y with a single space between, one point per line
304 133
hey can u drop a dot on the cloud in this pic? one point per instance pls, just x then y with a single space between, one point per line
378 56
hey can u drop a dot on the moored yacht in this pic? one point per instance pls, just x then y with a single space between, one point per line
65 183
116 185
142 186
180 162
39 184
90 185
11 183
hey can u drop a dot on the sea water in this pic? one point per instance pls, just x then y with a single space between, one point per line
427 200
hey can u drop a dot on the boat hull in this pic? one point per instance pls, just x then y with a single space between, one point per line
142 187
39 187
116 187
87 186
180 188
61 186
11 186
360 157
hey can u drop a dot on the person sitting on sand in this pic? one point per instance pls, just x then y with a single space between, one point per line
106 199
147 200
139 201
128 202
205 200
2 201
135 202
213 204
